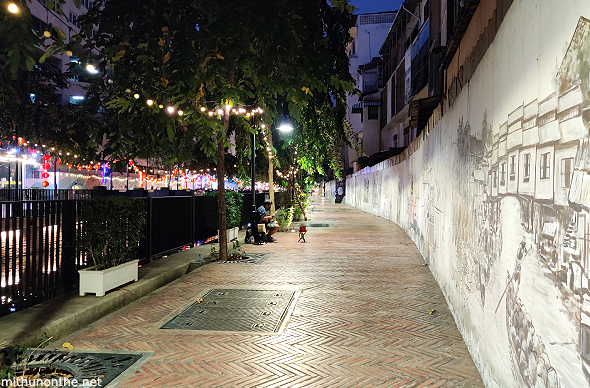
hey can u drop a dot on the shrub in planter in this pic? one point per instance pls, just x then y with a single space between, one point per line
110 230
284 218
233 201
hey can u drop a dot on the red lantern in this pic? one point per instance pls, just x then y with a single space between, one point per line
45 184
45 175
46 166
46 157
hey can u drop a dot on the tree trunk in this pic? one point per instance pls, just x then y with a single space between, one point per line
271 191
222 208
301 206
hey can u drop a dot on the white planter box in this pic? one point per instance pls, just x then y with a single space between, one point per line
232 234
99 282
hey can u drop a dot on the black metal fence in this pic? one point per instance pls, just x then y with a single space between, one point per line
35 239
38 259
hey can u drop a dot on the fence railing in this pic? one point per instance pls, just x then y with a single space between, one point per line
38 259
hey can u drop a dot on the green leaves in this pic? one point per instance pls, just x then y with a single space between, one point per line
170 131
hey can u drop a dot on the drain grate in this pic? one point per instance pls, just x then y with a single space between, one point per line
253 258
318 225
260 311
85 366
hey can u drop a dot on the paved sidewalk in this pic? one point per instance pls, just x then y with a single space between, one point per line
361 318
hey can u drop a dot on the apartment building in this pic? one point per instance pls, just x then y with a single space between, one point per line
366 68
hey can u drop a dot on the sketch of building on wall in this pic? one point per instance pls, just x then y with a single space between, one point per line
540 159
541 156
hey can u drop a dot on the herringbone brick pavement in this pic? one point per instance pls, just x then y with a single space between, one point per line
361 319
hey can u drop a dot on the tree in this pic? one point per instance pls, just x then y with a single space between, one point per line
172 62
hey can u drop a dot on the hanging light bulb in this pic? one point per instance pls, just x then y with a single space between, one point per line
170 109
180 113
150 102
136 96
69 53
13 8
47 34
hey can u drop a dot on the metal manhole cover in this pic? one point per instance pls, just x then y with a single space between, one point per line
260 311
93 368
318 225
253 258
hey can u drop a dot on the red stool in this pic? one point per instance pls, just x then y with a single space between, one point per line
302 231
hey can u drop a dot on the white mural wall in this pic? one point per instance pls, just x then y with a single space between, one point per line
497 199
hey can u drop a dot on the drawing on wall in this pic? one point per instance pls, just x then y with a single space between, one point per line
528 176
519 223
386 206
376 197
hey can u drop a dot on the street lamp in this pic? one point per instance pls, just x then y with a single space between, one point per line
285 126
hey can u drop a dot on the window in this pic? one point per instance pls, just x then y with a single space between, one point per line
395 141
527 167
56 5
544 170
494 178
585 341
74 19
567 171
35 174
503 174
406 136
373 113
512 167
87 3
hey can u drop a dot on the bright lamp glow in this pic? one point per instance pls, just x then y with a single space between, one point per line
170 109
91 69
285 126
13 8
149 102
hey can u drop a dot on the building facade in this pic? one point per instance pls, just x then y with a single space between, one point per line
366 68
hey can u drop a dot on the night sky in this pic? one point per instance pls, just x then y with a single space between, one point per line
368 6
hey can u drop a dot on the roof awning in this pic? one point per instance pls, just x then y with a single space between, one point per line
421 110
358 108
579 192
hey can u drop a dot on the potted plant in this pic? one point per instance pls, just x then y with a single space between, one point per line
110 229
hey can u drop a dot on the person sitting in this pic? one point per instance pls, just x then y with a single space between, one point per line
268 219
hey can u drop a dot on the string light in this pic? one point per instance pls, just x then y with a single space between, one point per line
13 8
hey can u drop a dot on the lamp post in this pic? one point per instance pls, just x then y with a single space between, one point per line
253 181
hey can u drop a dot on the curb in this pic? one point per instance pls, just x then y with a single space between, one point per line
69 313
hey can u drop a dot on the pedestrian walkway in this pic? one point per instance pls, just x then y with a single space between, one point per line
360 318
